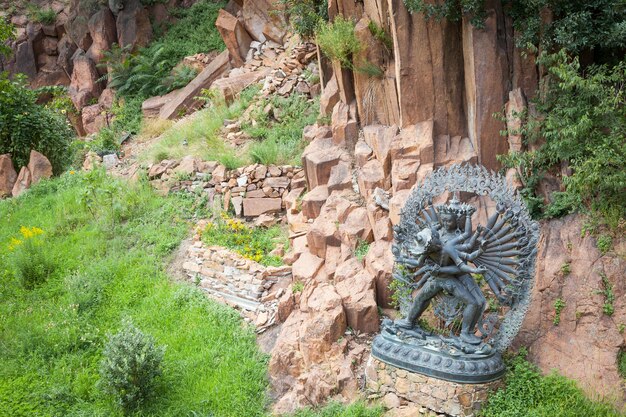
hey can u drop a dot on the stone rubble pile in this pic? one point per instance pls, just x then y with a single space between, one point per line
250 191
13 184
232 279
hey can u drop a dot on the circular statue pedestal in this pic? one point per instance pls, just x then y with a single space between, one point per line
452 398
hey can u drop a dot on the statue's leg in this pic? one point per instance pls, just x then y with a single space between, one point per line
479 298
471 307
420 303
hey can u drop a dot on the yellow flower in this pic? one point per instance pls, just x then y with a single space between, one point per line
30 232
14 243
72 172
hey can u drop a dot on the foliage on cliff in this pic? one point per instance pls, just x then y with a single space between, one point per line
580 119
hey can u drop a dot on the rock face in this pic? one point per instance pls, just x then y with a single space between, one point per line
585 344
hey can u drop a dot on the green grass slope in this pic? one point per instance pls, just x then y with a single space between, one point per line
99 260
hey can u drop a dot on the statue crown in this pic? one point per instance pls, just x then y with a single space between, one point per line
454 207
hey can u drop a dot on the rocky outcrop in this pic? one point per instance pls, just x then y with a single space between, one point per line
235 37
586 342
13 184
453 73
8 176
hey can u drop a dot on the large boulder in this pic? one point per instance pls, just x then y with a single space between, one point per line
84 85
379 263
487 85
22 183
264 20
429 74
235 36
318 159
229 88
39 167
8 175
359 302
376 96
25 60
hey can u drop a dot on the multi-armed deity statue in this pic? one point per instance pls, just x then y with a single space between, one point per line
476 280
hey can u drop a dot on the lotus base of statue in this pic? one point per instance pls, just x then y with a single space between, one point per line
447 358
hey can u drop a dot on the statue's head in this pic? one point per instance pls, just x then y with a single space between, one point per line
450 214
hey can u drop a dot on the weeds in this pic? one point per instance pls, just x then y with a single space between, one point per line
297 287
559 305
528 393
609 296
604 243
362 247
338 41
253 243
566 269
279 133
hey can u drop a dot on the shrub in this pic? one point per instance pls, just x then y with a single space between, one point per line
149 72
452 10
45 16
32 265
25 125
306 15
130 365
575 25
338 41
528 394
581 118
6 33
361 250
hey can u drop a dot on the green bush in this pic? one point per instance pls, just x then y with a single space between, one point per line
45 16
452 10
306 15
528 394
575 25
338 41
130 365
7 33
582 121
25 125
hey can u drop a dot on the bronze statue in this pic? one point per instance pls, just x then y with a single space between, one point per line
453 264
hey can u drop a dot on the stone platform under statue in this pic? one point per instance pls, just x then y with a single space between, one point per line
451 398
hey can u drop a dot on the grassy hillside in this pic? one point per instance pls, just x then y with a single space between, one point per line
93 251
